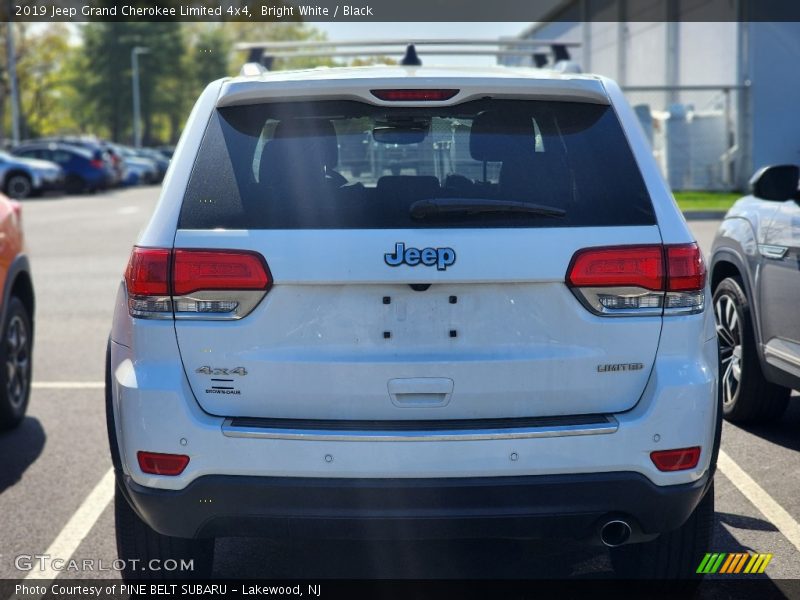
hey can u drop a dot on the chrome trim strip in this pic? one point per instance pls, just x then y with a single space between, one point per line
455 435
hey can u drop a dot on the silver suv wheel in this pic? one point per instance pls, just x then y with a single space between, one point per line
730 347
747 395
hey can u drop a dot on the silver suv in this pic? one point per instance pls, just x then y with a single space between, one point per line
756 284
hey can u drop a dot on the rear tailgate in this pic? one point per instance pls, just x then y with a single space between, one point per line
374 313
343 336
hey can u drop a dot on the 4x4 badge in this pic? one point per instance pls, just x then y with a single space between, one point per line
218 371
441 257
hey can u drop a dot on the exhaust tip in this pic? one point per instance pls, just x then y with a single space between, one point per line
615 533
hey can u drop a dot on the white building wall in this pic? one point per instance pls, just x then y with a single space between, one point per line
775 93
762 120
603 44
646 51
707 53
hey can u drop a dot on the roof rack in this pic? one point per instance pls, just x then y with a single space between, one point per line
540 51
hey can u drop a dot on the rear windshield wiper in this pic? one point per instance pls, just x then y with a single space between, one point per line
433 207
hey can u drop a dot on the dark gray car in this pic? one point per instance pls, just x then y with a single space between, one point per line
755 276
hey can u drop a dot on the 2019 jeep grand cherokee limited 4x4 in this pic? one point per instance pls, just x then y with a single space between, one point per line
508 338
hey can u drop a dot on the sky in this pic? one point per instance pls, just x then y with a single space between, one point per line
377 31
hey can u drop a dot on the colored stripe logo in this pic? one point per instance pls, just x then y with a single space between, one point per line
737 562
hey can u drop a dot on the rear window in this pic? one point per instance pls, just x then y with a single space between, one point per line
351 165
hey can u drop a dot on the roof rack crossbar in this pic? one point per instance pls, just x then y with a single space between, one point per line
266 53
516 42
401 52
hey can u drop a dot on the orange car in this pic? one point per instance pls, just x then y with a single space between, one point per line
16 316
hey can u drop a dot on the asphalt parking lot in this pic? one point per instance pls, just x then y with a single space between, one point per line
54 484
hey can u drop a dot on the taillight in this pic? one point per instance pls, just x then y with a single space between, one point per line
218 284
640 266
676 460
97 164
687 279
147 281
205 284
156 463
639 280
414 95
218 270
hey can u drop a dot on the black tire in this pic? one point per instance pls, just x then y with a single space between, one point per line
139 546
16 363
74 184
674 555
747 397
19 186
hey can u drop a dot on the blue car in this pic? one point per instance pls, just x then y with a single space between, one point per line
84 170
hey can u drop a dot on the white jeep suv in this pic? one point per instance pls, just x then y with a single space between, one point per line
410 302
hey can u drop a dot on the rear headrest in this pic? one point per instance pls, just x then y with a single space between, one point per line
320 133
496 136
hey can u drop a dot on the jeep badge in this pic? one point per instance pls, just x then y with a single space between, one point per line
441 257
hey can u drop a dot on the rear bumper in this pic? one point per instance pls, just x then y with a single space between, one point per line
540 506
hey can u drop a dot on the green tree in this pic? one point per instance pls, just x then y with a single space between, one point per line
107 84
44 89
210 54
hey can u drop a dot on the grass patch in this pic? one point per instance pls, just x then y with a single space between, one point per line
689 201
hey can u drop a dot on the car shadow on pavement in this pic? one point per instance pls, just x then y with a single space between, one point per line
741 586
19 449
724 540
436 559
783 431
743 522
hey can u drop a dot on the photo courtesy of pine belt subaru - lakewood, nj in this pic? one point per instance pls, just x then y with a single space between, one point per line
415 302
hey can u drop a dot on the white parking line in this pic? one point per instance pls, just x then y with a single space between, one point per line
773 511
67 385
78 527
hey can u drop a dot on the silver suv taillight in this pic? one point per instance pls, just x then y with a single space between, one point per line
195 284
639 280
